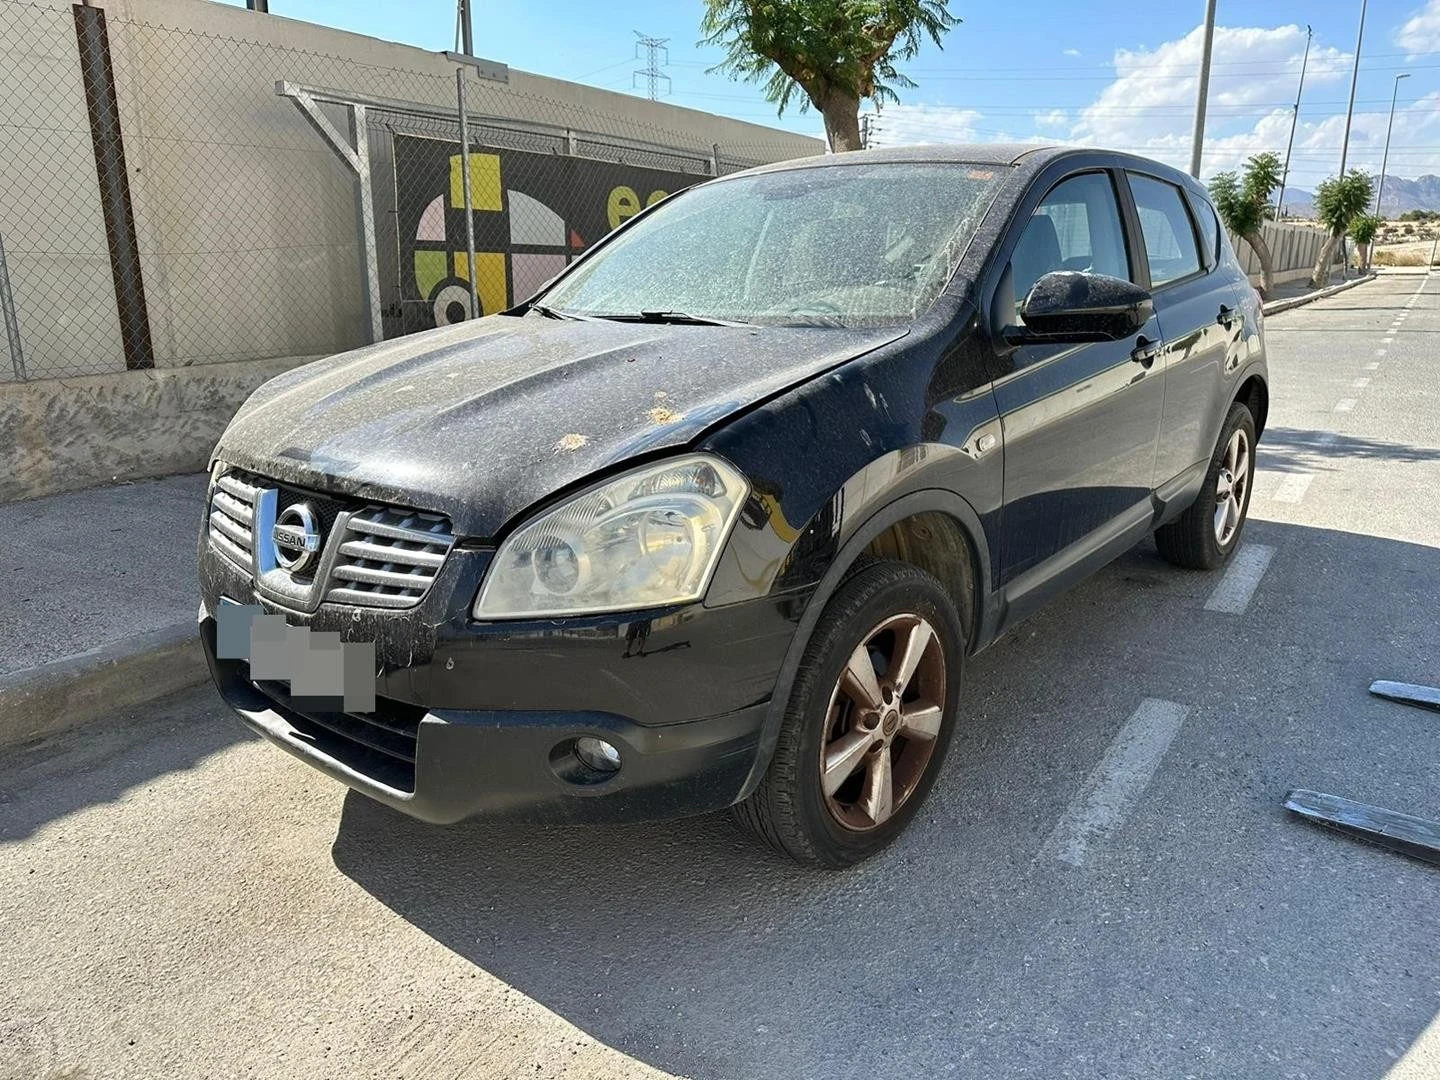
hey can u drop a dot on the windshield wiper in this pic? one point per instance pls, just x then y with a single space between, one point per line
673 318
556 313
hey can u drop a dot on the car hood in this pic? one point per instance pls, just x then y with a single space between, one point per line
481 420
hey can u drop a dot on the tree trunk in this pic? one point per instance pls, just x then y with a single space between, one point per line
842 121
1321 275
1256 240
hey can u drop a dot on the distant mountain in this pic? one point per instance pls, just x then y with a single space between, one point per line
1422 193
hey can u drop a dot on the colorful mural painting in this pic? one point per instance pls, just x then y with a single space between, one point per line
533 213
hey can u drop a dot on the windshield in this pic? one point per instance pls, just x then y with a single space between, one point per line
847 245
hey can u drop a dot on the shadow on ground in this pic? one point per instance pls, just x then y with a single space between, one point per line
99 763
1299 450
1214 937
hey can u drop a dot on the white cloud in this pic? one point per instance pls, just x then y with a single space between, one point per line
1071 52
1149 107
1421 32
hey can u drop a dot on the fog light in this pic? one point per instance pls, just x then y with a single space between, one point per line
597 754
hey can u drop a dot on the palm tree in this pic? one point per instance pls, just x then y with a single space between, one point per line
1244 205
837 52
1338 201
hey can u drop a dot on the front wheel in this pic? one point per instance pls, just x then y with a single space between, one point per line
868 720
1206 535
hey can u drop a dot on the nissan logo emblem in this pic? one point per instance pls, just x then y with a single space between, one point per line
296 537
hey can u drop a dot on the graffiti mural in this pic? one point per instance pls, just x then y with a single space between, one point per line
533 213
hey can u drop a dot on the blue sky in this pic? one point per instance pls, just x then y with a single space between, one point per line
1039 69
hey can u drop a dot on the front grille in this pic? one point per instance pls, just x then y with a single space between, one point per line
388 557
232 518
379 744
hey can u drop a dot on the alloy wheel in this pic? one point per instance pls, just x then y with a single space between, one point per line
1231 487
883 721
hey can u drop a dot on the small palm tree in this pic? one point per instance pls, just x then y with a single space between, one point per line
1363 231
837 52
1244 205
1338 202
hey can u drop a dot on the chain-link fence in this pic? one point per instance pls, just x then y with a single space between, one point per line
173 196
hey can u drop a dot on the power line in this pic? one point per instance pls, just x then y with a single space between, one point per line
653 47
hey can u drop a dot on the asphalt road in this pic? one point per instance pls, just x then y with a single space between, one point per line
1103 883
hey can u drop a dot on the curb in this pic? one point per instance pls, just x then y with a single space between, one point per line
1275 306
44 700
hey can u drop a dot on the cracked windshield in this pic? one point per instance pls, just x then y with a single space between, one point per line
858 245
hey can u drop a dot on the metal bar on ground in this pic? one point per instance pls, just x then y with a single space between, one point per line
1417 837
12 322
475 311
1422 697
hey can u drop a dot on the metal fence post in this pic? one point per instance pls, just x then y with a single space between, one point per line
12 324
475 311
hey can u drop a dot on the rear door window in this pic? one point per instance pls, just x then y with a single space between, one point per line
1170 246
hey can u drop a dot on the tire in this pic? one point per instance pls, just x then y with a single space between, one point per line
883 606
1196 540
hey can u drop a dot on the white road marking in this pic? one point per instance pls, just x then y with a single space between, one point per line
1379 352
1114 785
1345 404
1360 384
1375 366
1232 595
1292 489
1387 340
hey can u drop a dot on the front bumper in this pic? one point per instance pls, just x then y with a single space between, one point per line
478 719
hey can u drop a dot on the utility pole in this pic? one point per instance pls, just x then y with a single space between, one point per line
1350 115
1384 161
1197 148
464 32
653 47
1294 120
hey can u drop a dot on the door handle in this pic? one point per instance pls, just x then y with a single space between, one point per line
1145 351
1227 316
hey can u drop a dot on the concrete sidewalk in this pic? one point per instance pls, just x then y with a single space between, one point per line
97 602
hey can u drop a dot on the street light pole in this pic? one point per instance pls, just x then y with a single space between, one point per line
1294 120
1197 147
1384 161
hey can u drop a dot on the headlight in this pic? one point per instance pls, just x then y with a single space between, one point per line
649 538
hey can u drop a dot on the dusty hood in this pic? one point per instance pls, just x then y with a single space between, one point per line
481 420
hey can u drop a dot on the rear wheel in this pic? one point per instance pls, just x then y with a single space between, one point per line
868 720
1208 533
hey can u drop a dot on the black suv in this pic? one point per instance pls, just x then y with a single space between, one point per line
716 518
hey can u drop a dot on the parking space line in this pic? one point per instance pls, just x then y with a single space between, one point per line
1232 595
1292 489
1114 786
1345 404
1379 352
1374 365
1360 384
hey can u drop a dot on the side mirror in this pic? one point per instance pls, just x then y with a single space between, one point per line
1067 307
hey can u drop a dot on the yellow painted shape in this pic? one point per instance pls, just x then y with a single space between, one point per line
484 182
489 279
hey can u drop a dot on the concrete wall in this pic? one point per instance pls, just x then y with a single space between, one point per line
66 434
